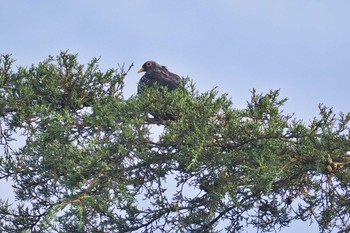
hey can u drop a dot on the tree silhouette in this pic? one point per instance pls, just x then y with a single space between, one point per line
91 164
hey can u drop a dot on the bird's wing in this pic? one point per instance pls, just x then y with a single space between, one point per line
165 78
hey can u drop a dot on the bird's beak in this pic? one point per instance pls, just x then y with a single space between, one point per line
141 70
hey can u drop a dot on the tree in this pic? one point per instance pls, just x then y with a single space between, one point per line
91 164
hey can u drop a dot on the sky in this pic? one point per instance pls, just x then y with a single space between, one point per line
299 47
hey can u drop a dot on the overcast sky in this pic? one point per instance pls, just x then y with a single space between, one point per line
300 47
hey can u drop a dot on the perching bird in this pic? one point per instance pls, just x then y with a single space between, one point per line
157 74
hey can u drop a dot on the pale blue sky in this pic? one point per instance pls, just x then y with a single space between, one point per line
301 47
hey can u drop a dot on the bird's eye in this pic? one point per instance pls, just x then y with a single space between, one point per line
149 64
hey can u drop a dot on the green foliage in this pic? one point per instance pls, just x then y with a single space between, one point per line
91 164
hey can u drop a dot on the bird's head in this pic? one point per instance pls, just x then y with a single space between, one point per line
149 66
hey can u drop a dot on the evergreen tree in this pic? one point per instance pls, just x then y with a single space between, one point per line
91 164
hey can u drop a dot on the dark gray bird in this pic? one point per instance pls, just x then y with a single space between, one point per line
157 74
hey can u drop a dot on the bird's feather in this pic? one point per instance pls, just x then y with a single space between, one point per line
161 77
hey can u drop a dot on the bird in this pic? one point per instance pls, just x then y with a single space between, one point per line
157 74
